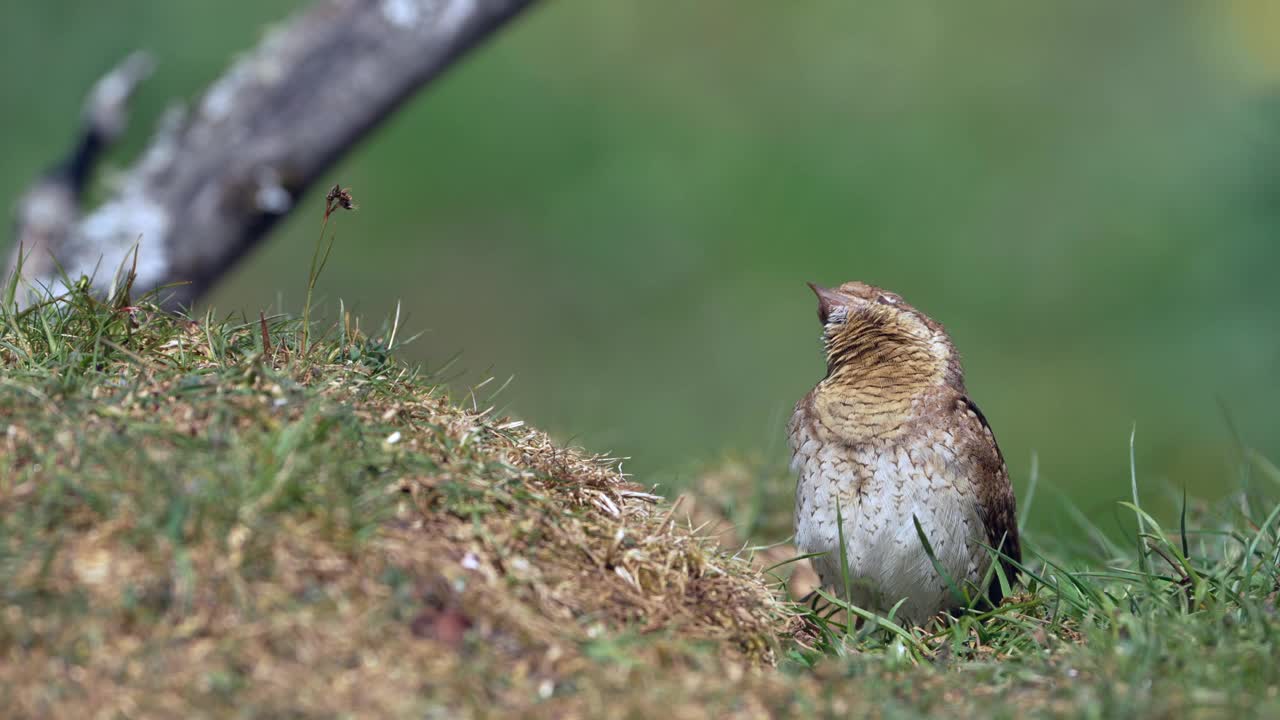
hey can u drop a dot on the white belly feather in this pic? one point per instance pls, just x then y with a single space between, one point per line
879 488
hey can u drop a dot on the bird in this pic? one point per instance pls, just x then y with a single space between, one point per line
890 444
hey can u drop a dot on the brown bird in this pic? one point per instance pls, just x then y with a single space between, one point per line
890 436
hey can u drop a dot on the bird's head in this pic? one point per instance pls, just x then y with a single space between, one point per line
873 337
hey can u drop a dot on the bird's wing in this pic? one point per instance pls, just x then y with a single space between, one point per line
995 493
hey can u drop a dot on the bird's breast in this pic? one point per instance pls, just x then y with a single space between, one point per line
880 488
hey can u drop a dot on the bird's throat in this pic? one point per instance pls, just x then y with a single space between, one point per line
875 400
854 414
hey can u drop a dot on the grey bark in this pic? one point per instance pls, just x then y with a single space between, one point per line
216 177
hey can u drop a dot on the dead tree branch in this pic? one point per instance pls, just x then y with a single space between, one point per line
216 177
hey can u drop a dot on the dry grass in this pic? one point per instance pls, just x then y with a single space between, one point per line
739 500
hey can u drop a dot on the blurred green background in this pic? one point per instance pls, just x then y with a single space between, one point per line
619 202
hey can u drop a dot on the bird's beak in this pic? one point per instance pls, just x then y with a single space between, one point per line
828 300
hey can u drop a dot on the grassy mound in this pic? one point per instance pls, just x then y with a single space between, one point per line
215 518
193 521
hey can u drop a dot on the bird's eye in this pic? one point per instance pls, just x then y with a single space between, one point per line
888 300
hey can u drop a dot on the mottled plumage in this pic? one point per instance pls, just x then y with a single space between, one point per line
888 434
